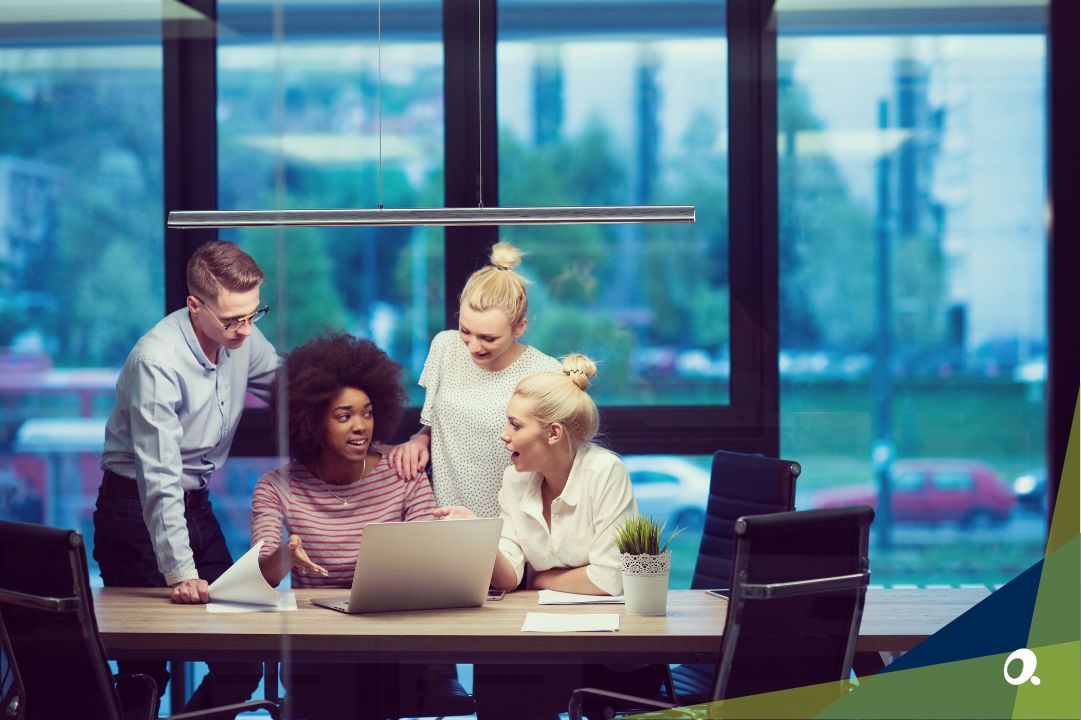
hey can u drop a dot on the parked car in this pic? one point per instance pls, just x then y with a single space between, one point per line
670 487
1030 489
966 492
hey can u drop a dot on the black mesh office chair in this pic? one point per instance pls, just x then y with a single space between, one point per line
798 587
739 485
53 664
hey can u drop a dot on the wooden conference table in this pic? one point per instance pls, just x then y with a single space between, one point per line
137 623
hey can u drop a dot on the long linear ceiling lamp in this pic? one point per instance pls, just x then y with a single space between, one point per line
600 214
191 219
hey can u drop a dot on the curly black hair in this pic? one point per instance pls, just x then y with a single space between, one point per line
315 372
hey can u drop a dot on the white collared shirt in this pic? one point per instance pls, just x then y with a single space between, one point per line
597 494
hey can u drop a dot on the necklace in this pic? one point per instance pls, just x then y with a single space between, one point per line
319 476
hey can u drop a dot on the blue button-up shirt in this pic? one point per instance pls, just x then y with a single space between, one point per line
175 416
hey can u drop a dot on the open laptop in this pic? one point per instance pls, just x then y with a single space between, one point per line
421 565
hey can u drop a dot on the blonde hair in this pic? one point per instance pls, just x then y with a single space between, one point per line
219 265
561 397
497 285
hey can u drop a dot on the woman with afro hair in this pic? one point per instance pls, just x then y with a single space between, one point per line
339 395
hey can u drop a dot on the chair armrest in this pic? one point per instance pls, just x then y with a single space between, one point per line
574 707
227 712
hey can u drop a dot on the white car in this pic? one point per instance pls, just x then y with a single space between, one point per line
669 487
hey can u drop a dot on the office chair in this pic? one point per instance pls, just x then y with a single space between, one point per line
798 587
54 665
430 691
740 484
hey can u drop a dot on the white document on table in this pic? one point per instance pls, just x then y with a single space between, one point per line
243 583
555 597
560 622
287 602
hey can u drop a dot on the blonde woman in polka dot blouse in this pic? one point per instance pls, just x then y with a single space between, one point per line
468 378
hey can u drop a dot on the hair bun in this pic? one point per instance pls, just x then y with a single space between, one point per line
580 369
505 256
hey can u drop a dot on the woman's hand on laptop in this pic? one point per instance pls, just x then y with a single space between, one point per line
454 512
301 561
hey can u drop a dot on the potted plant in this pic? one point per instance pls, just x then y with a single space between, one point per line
646 563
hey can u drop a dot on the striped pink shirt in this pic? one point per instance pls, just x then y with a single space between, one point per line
330 519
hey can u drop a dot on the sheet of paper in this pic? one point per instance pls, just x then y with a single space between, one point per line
554 597
243 582
560 622
287 601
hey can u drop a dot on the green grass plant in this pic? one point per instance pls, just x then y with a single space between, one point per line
641 535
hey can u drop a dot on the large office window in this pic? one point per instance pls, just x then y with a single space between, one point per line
80 202
910 270
627 112
913 324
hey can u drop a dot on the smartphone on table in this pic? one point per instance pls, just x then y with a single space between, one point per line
495 594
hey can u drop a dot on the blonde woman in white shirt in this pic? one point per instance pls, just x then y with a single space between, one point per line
559 500
562 494
468 376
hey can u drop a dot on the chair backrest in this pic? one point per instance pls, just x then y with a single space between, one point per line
48 631
797 597
739 485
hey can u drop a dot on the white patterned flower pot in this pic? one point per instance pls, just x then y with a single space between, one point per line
645 583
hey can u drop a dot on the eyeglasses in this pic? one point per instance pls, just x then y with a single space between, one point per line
227 325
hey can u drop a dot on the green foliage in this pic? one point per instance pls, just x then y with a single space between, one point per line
919 276
826 248
580 171
641 535
685 267
563 329
106 315
989 420
92 277
299 288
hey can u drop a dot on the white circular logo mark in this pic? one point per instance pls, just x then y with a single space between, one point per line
1028 667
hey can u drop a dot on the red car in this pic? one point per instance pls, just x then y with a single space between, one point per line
967 492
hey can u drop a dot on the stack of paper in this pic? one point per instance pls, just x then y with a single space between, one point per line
286 601
554 597
559 622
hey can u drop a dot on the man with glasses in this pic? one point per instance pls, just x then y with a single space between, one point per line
178 402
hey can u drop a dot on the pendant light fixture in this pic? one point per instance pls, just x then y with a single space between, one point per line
452 217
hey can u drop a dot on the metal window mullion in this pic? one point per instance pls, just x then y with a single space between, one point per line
752 218
189 140
469 105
